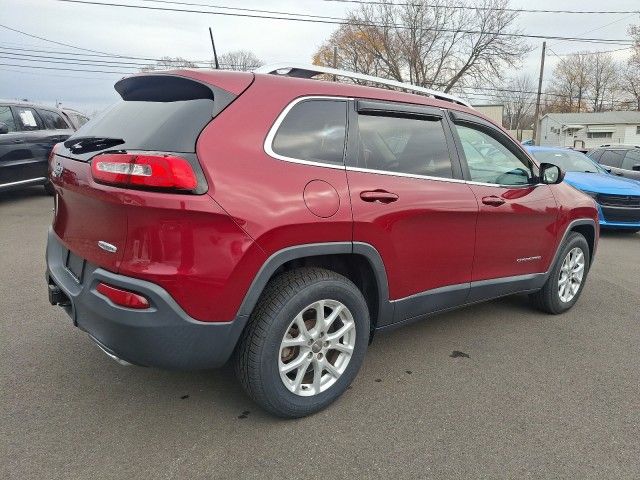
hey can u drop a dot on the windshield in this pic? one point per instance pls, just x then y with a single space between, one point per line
567 160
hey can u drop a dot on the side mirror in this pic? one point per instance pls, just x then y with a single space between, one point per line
636 167
551 174
4 128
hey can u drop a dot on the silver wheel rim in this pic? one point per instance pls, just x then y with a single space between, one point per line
571 274
317 347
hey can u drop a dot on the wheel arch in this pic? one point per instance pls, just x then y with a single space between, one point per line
360 262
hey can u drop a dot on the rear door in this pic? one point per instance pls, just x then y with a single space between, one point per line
516 226
33 146
410 203
12 149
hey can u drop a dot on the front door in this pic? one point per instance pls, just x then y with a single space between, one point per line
410 203
516 225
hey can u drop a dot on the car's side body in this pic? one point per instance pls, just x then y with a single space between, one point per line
31 131
413 243
621 160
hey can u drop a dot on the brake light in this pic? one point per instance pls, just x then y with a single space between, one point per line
121 297
141 170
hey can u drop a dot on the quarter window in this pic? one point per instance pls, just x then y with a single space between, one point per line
403 145
313 130
29 119
52 120
612 158
6 117
489 161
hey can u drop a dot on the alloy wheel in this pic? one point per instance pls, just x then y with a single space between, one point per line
317 347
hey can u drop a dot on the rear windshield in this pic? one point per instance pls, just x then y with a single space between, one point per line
156 112
146 125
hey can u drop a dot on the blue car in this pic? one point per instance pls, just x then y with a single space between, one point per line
618 198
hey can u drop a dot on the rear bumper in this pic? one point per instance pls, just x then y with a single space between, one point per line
161 336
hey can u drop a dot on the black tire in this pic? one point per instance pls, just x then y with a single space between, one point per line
548 298
257 353
48 187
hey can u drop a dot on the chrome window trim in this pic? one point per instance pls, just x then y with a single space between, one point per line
407 175
268 142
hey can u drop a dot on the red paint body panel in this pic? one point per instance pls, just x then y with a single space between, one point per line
511 236
426 237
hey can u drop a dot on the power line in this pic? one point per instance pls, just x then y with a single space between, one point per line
344 21
124 57
63 69
50 41
502 9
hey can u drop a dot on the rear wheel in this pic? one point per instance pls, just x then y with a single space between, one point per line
567 278
305 342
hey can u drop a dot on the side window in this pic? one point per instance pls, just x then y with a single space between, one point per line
612 158
594 155
52 120
6 117
403 145
29 119
630 159
313 130
489 161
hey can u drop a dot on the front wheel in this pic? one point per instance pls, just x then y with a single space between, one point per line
567 277
304 343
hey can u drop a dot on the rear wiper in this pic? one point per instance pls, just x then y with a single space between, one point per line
91 144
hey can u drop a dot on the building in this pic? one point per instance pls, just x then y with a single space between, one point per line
494 112
589 130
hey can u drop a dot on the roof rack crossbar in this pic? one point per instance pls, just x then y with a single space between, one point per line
310 71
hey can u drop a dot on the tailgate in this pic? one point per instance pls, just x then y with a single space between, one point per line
87 214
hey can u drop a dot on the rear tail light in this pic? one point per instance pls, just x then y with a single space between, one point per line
122 297
142 170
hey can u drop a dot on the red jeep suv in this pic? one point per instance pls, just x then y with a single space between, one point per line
280 221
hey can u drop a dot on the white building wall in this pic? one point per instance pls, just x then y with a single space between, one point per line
631 136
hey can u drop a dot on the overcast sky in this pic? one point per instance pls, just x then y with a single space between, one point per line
153 34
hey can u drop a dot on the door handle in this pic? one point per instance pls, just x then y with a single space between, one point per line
493 201
381 196
17 140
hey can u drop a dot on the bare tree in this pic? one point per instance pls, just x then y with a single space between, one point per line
429 43
602 80
630 85
243 60
518 99
168 63
570 83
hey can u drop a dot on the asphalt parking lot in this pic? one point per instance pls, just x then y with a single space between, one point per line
539 396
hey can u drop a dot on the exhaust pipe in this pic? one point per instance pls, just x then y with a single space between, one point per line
109 353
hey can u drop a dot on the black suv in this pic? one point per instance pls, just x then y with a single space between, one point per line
622 160
27 135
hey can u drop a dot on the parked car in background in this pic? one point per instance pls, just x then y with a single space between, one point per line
282 221
618 198
621 160
28 132
76 118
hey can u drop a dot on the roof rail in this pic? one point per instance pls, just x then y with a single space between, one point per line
310 71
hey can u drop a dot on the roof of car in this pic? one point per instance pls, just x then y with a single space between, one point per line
23 103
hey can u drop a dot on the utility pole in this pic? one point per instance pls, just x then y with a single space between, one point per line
537 115
213 45
335 60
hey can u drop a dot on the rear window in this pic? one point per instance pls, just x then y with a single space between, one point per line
52 120
612 158
158 113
